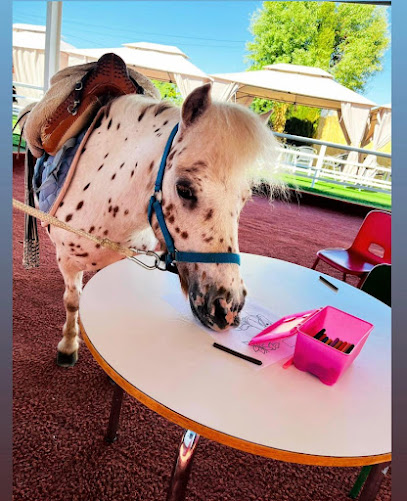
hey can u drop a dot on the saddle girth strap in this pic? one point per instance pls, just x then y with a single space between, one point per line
31 245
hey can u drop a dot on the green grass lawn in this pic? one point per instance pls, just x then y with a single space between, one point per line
16 135
331 190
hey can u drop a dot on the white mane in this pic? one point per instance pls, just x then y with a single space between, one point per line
236 138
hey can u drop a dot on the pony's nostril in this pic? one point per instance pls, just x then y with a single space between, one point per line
219 310
220 314
236 321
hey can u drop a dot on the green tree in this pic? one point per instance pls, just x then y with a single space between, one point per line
169 91
347 40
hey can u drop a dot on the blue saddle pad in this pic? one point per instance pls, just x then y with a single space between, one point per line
50 172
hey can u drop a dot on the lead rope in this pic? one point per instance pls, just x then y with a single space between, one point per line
129 252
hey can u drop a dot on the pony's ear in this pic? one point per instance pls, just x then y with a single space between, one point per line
195 104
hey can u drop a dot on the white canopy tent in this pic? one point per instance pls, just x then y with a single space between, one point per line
161 62
291 83
39 52
300 85
30 59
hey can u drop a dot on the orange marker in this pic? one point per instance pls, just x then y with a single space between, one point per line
345 347
339 345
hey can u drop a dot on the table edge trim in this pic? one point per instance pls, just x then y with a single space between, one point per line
223 438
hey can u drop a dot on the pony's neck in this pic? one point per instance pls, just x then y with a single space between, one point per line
150 123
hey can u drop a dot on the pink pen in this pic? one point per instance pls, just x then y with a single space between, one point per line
267 334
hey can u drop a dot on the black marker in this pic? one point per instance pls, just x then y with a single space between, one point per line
320 334
237 354
326 282
350 348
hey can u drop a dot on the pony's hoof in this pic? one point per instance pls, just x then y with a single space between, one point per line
64 360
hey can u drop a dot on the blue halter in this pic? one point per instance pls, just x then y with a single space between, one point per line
173 255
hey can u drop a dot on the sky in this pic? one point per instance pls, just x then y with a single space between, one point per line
212 33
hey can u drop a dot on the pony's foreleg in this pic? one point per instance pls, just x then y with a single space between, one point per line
69 344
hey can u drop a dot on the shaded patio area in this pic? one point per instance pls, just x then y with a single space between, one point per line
60 415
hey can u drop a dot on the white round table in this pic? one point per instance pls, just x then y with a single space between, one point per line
168 362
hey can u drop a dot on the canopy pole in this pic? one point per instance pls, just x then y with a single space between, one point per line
52 41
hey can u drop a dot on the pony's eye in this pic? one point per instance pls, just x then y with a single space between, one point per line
185 192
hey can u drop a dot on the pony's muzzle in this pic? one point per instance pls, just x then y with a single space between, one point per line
218 312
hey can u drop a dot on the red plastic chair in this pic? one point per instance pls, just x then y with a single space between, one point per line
371 246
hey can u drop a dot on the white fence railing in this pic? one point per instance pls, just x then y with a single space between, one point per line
307 162
22 99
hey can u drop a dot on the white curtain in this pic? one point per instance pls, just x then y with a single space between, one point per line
381 135
353 120
224 91
187 84
28 68
382 131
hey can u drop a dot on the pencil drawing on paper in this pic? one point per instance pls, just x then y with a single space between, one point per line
258 321
266 347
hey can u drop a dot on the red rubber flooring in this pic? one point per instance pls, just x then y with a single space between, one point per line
60 415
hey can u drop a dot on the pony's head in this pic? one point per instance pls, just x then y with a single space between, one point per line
207 181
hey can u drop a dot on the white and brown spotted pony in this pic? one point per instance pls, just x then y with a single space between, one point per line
207 181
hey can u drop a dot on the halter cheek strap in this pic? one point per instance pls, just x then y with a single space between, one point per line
173 255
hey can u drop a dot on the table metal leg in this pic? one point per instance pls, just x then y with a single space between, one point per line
182 466
373 482
111 435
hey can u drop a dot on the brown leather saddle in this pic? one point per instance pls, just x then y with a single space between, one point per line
109 79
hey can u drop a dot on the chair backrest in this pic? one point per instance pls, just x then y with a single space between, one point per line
373 240
378 283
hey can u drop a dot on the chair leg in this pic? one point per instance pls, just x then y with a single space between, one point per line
357 486
313 267
361 281
111 434
373 482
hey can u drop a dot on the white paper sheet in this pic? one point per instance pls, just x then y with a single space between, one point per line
253 319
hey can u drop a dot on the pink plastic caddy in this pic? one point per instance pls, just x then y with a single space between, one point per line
320 359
